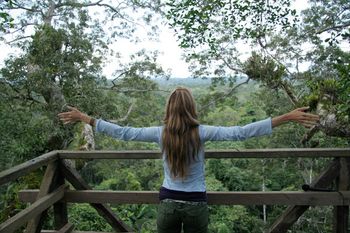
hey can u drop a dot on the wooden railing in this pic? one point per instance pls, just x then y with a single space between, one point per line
54 190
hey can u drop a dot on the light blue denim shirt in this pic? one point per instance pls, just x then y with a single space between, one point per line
195 180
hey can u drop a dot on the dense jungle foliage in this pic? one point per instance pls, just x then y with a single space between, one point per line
295 58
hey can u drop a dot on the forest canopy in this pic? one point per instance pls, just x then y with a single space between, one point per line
248 60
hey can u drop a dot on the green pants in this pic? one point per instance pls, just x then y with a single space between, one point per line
173 216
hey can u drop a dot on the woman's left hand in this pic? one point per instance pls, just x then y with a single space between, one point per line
299 115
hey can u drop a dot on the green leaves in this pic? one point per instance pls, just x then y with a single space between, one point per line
6 21
265 70
200 23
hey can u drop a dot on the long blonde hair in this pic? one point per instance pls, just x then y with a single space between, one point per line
180 138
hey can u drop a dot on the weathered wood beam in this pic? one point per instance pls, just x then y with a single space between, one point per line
68 228
60 210
214 198
260 153
341 213
34 224
26 167
15 222
54 231
292 213
78 183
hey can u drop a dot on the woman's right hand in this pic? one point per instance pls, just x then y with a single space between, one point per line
298 115
72 116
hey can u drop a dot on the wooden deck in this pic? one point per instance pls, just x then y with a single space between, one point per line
54 191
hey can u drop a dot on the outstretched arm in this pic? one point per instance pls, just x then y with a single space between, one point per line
145 134
75 115
259 128
297 115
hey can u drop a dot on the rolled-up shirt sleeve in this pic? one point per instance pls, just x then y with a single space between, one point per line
237 133
144 134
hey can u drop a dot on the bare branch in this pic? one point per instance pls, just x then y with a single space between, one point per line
17 39
18 6
230 66
286 87
116 10
284 84
120 75
124 118
335 27
76 4
308 135
223 96
127 113
277 60
114 88
22 27
19 93
47 17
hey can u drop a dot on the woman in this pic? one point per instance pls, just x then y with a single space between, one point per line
183 199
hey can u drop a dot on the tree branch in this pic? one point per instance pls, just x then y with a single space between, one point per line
308 135
19 96
74 4
286 87
230 66
124 118
114 88
223 96
98 3
17 39
18 6
284 84
22 27
335 27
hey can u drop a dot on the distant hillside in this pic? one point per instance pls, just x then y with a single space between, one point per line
187 82
200 86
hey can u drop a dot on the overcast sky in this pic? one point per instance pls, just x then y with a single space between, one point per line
170 57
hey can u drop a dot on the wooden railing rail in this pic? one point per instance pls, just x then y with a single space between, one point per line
54 192
34 210
214 198
214 154
26 167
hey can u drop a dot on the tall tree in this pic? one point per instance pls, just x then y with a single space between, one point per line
60 64
63 45
282 41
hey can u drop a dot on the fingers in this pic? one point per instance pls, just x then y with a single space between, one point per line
69 117
306 115
307 125
64 114
70 112
300 114
66 119
302 109
308 122
311 116
72 108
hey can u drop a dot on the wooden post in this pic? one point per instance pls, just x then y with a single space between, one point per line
68 228
341 213
26 167
34 225
78 183
292 213
15 222
60 208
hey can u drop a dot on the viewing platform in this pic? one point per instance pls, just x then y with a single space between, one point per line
54 190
